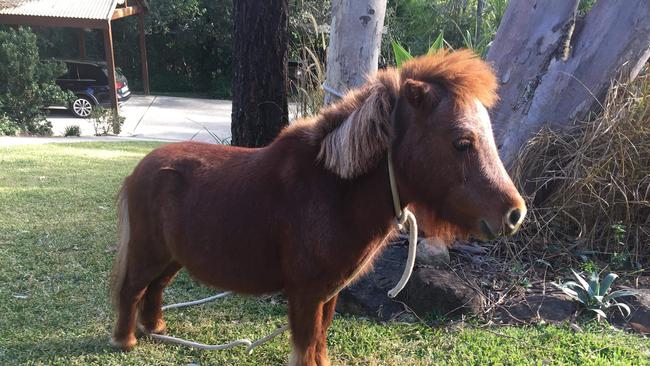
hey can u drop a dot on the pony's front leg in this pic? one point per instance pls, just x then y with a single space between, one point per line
305 319
321 347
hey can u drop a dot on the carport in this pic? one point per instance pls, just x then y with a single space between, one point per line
82 14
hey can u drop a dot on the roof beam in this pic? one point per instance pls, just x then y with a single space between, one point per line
41 21
125 12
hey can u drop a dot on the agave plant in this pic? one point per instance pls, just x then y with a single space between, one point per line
593 294
402 55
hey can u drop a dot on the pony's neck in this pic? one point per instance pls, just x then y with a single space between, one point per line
371 204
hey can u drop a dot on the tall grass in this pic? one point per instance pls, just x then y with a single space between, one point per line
589 187
309 40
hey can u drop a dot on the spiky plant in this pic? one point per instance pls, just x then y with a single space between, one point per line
593 294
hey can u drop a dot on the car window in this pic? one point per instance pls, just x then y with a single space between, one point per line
91 72
71 74
118 73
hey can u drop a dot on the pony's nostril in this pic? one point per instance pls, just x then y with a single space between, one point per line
514 218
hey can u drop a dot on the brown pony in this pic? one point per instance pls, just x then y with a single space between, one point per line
302 214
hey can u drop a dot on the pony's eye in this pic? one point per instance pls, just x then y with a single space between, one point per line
463 144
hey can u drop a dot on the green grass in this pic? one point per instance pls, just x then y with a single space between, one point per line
57 224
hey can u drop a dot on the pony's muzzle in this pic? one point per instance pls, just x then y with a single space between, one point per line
514 218
487 230
510 224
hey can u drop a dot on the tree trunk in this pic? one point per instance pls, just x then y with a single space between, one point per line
553 72
480 5
355 38
259 106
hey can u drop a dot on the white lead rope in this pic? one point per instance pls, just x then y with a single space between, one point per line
402 216
197 302
331 90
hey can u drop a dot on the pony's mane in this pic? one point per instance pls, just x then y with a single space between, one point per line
462 73
355 132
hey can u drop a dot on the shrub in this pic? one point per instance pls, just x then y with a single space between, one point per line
7 127
26 84
106 121
417 23
73 130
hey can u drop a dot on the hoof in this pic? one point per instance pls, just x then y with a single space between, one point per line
159 328
125 344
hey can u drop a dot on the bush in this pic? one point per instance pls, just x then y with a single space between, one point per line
73 130
26 84
7 127
106 121
415 24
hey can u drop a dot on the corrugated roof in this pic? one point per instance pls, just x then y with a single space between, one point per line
78 9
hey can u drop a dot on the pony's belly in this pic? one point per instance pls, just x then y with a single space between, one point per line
241 272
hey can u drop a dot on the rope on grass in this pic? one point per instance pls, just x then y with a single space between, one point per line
196 302
250 345
207 347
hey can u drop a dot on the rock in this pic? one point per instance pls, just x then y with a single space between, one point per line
441 292
431 252
552 308
368 295
639 319
429 290
640 307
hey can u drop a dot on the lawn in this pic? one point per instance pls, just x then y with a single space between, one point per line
57 232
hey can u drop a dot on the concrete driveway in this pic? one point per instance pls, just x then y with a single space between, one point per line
161 118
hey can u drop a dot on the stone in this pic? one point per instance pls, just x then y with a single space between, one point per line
640 307
429 290
431 252
368 295
639 319
442 292
551 308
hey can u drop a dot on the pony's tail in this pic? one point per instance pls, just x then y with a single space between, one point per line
118 273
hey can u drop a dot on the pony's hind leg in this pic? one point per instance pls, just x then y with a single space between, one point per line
141 270
151 319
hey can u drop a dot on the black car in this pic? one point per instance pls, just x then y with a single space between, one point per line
88 80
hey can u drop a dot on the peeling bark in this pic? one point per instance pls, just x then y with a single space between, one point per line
355 37
552 73
528 38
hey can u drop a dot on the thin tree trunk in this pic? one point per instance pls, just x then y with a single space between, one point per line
259 110
480 5
355 38
552 75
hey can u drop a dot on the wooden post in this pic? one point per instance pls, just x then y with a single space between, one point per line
110 64
82 43
143 54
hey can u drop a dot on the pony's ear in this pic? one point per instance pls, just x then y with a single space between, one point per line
420 94
359 142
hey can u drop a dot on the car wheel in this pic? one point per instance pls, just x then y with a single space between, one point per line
82 107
